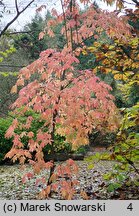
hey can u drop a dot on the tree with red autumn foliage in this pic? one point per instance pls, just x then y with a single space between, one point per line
70 103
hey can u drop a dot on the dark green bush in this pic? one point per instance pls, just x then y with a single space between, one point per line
5 144
98 138
7 80
82 150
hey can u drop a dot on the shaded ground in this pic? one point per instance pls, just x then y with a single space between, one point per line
11 186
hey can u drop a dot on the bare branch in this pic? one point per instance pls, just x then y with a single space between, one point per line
1 3
16 5
15 18
128 2
136 2
71 30
19 32
65 22
12 66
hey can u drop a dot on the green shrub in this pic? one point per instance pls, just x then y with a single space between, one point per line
5 144
7 80
97 138
82 149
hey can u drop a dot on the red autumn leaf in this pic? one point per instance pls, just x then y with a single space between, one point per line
42 194
30 134
48 165
9 132
84 195
24 179
47 190
29 175
36 168
50 33
40 181
39 9
71 162
14 89
75 182
54 12
32 162
41 35
20 82
53 177
55 187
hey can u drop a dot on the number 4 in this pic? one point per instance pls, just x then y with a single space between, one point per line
129 207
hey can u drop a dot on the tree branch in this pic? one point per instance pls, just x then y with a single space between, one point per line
128 2
12 66
65 22
132 164
71 30
17 15
16 5
1 3
19 32
136 2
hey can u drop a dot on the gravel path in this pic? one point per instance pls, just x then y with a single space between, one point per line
91 180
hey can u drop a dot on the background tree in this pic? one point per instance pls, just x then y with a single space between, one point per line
29 41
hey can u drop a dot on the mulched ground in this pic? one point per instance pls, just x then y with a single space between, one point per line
91 181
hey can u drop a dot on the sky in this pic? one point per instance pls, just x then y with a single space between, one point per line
30 12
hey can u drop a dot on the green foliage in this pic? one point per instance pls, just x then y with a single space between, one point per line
82 149
134 94
7 80
104 139
113 186
4 54
5 144
93 159
6 74
6 48
125 151
127 148
59 146
116 62
90 61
